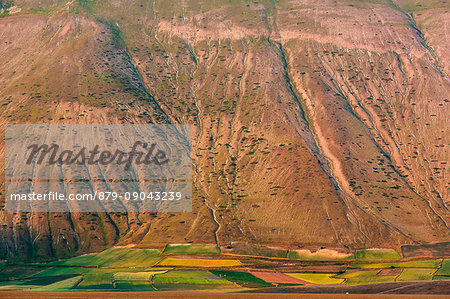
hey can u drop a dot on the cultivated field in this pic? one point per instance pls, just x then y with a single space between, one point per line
244 279
411 264
377 254
129 269
416 274
317 278
191 249
278 278
115 257
353 277
208 263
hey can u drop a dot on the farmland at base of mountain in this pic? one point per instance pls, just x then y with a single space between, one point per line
243 272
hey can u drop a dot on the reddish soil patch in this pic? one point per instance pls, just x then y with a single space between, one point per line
389 271
428 250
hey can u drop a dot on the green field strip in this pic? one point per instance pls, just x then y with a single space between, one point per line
191 249
134 285
409 264
63 285
444 268
189 277
56 271
410 274
97 279
188 287
441 277
317 278
244 279
139 276
377 254
116 257
354 277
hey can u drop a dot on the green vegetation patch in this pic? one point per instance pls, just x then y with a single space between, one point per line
377 254
362 277
441 277
212 263
317 278
87 5
97 279
14 272
244 279
416 274
191 249
5 4
103 278
444 269
17 285
410 264
62 285
185 286
139 276
58 271
116 257
134 285
42 281
189 277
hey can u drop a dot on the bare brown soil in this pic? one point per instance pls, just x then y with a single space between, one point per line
388 271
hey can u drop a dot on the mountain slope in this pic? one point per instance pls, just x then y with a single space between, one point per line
318 124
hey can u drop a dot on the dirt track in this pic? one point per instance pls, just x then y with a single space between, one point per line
413 288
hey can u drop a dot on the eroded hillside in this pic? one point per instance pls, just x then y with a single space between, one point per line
317 123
